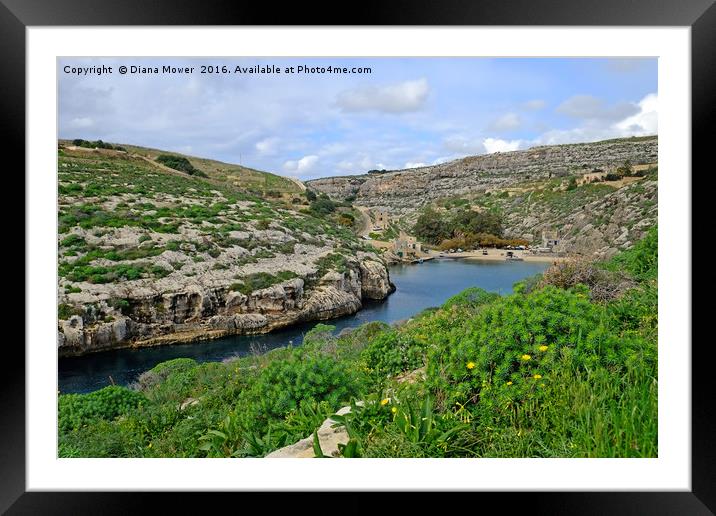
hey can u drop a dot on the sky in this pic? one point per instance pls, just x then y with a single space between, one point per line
404 113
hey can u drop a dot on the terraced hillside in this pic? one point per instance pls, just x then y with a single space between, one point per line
154 256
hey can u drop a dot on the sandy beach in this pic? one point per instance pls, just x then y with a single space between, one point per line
496 255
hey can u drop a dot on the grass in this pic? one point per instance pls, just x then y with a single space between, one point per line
101 194
587 389
261 280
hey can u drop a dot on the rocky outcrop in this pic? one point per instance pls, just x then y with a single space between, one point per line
598 227
201 311
374 280
329 437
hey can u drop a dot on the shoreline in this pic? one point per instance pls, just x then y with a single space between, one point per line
200 334
498 255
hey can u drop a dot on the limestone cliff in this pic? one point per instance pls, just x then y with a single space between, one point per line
148 257
168 314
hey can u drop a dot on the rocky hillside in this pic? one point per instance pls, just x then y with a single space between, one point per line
529 189
404 191
149 255
591 219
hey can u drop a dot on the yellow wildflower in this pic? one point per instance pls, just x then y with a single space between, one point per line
537 376
526 357
384 401
509 383
394 410
471 365
543 348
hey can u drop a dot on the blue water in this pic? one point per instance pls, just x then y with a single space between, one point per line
419 286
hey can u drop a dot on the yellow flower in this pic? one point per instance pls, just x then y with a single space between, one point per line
471 365
543 348
509 383
526 357
385 401
537 376
394 410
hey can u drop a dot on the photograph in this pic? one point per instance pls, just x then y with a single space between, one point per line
357 257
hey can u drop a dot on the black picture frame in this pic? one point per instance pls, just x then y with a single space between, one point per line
700 15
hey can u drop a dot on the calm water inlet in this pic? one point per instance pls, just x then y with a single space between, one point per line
418 287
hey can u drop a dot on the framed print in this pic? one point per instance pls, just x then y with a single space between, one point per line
430 240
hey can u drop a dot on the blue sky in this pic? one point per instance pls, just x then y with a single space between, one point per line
407 112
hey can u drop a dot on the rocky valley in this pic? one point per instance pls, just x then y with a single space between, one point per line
149 256
530 190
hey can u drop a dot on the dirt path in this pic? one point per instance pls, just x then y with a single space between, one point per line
298 182
365 220
159 165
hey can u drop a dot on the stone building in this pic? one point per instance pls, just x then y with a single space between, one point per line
551 240
595 175
382 219
406 246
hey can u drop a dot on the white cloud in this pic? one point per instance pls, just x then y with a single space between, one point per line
267 146
460 144
81 122
507 122
442 159
395 98
643 121
497 145
534 105
301 166
587 107
413 164
646 121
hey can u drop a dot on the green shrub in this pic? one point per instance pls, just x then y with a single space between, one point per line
473 297
514 339
65 311
641 261
76 410
393 352
179 163
284 384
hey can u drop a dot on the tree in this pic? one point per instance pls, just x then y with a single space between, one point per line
323 205
430 227
470 221
625 169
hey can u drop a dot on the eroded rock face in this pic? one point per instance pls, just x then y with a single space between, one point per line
199 311
375 281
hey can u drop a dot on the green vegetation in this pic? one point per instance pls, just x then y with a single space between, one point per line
547 371
462 227
98 144
322 205
179 163
102 196
261 280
